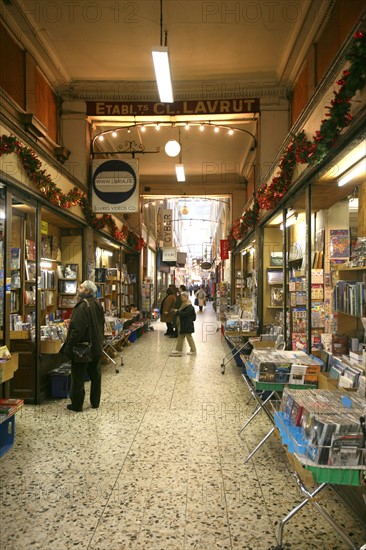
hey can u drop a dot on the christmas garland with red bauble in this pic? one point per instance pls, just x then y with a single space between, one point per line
47 187
301 150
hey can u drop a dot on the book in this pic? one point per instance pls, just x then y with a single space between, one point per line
346 449
297 374
339 244
4 353
30 270
288 407
15 258
30 250
296 412
71 271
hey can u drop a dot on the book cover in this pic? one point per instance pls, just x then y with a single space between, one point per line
71 271
296 414
30 270
312 373
297 374
282 375
288 407
345 449
15 258
267 372
339 244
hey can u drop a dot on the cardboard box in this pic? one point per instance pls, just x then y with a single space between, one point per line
262 345
50 346
8 368
326 383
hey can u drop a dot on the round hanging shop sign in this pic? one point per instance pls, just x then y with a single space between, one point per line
114 181
206 266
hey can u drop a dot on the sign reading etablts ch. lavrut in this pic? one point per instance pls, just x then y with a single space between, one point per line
115 186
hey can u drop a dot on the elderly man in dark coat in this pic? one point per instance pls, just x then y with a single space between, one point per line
86 325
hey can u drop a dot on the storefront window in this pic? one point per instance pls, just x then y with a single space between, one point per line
272 277
2 252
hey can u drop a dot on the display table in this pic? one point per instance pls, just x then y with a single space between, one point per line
255 389
238 341
307 473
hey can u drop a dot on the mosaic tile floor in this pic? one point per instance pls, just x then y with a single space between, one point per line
159 465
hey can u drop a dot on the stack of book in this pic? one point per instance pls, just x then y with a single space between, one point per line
285 367
8 407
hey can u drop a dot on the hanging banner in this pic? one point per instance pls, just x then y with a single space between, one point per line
167 218
224 249
115 186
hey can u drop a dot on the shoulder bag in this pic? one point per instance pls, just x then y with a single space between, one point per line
82 352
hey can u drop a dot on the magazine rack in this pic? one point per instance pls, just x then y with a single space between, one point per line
306 473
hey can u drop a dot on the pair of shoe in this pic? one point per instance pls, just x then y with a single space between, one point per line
71 408
175 354
192 353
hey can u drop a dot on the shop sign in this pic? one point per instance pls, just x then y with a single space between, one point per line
206 266
167 216
115 186
193 107
224 249
169 254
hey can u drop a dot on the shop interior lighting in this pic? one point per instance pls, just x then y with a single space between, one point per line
290 221
160 55
352 173
179 170
172 148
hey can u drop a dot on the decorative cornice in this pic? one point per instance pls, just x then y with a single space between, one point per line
146 91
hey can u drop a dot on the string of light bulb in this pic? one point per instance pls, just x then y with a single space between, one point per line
202 125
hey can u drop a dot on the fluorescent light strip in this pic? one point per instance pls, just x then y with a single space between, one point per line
160 56
179 170
357 170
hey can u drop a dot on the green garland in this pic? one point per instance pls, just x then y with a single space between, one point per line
301 150
48 189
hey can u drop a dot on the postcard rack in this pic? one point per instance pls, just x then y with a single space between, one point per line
306 473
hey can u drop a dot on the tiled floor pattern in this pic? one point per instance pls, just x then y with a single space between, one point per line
159 466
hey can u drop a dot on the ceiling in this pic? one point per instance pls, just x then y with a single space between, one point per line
222 49
232 49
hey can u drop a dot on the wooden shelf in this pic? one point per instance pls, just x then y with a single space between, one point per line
362 268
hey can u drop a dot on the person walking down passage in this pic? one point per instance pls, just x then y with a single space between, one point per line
201 297
167 313
186 315
177 304
86 325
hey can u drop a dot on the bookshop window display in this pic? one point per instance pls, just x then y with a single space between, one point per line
42 264
245 282
116 279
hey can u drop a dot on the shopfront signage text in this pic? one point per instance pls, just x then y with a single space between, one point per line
196 107
115 186
167 216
